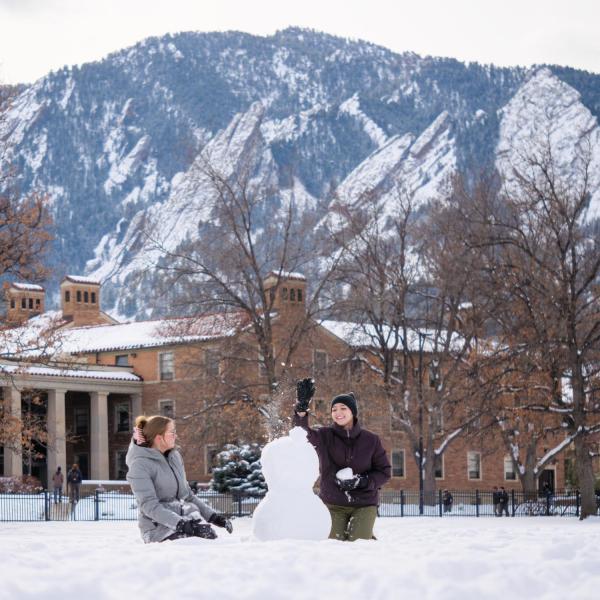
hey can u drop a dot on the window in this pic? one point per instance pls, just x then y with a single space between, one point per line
210 458
355 367
509 469
93 297
67 296
78 295
438 466
396 367
81 420
86 297
474 465
262 370
122 412
299 295
438 421
30 303
284 293
398 463
211 362
23 303
320 362
166 362
12 302
292 295
120 464
166 408
37 302
122 360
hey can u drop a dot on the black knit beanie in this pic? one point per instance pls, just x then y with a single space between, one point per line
349 400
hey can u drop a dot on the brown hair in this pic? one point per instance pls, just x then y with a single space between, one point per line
152 426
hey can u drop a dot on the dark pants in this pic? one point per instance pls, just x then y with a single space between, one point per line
57 494
503 509
74 492
352 523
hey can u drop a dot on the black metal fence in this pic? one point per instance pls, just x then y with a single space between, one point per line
122 506
478 504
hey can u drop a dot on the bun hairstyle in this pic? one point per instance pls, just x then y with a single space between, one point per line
152 426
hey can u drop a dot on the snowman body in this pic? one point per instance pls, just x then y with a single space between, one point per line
290 509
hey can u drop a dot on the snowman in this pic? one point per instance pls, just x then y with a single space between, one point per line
290 509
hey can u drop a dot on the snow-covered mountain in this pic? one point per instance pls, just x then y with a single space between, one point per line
117 144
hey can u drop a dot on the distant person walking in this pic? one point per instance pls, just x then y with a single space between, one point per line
74 479
58 481
496 500
447 501
503 501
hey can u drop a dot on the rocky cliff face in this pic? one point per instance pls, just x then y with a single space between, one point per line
117 144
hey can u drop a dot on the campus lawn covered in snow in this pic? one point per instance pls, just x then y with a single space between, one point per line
464 558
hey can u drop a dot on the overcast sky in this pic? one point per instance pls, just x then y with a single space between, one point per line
37 36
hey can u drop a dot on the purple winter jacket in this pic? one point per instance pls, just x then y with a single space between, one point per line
359 449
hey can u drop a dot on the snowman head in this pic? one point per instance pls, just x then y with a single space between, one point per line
290 462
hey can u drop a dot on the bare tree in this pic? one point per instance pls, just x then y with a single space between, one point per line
543 252
255 240
407 299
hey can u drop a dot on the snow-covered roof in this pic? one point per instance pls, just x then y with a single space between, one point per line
80 372
363 335
149 334
81 279
46 335
287 275
29 287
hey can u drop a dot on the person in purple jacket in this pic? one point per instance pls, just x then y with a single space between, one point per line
353 464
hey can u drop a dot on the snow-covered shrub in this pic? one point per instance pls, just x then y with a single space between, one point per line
25 484
238 470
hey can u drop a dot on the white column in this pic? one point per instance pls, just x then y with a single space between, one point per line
13 459
99 435
57 444
136 407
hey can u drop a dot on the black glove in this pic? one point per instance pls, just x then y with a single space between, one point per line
185 527
193 528
221 521
358 482
305 390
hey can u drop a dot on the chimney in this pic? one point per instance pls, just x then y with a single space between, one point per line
23 301
80 300
288 291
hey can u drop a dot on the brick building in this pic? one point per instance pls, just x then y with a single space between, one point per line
208 374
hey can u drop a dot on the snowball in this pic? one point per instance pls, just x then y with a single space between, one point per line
344 474
290 509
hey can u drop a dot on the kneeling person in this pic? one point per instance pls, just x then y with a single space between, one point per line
167 507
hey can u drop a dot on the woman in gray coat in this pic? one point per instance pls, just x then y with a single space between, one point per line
167 507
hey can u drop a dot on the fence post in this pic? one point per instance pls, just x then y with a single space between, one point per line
46 505
96 505
440 502
578 502
477 503
239 499
512 498
401 503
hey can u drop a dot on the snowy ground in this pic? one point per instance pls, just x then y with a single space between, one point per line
420 558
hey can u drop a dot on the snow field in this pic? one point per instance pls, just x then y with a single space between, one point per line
420 558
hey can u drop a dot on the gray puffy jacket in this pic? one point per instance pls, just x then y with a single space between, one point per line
162 491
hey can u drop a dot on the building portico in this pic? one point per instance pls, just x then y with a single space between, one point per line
77 402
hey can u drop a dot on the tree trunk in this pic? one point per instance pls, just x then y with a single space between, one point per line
429 484
529 478
585 475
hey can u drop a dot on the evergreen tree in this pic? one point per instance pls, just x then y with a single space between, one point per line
239 470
